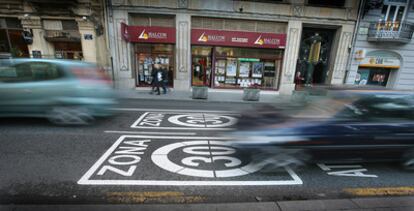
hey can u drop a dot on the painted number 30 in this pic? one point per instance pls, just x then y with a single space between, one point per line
198 154
210 154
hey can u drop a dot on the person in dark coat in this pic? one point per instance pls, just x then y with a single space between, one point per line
164 82
156 78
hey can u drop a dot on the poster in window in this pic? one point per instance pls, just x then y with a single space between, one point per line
269 69
244 69
257 70
231 68
362 77
220 70
220 67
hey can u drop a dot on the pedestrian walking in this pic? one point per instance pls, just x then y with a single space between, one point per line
164 82
156 79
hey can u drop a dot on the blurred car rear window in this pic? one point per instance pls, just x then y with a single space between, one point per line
29 71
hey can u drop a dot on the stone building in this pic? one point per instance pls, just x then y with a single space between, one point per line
232 44
70 29
384 50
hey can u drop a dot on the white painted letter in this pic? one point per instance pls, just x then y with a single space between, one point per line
113 160
118 171
352 173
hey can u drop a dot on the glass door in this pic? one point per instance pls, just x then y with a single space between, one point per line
393 15
201 65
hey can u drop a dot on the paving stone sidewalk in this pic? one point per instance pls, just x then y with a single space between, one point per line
213 96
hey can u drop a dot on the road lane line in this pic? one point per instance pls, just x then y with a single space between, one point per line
171 110
384 191
150 133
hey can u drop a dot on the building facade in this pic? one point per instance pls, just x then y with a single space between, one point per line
70 29
232 44
384 50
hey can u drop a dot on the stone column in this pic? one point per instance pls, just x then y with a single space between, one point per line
87 30
121 52
183 52
342 54
39 43
290 58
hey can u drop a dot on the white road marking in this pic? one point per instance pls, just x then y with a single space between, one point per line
352 170
352 173
142 120
85 179
330 167
150 133
174 110
203 120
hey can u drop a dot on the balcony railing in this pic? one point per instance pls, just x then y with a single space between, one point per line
391 31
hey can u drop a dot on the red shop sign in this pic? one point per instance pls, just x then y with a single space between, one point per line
148 34
237 38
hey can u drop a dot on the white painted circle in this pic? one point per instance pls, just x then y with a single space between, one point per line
206 152
203 120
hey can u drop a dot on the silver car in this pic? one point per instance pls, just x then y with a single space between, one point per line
65 92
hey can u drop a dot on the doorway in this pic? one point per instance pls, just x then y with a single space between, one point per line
201 65
314 55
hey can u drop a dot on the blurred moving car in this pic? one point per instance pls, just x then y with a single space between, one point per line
64 91
361 126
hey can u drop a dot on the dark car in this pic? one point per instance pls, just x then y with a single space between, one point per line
361 127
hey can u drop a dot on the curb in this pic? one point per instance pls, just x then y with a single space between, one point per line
352 204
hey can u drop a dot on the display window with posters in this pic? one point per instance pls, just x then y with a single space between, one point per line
372 76
237 60
244 67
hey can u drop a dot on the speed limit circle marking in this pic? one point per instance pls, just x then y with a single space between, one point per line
210 161
203 120
186 121
203 152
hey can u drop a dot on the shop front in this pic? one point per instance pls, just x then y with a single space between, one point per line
235 59
12 43
377 69
152 45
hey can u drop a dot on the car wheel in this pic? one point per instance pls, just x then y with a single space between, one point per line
408 160
70 115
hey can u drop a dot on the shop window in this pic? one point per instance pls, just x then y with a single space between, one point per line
236 67
11 38
18 46
68 50
372 76
327 3
149 54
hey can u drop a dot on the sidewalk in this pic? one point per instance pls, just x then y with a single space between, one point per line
405 203
213 96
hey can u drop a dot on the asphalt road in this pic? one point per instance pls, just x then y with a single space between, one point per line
165 152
